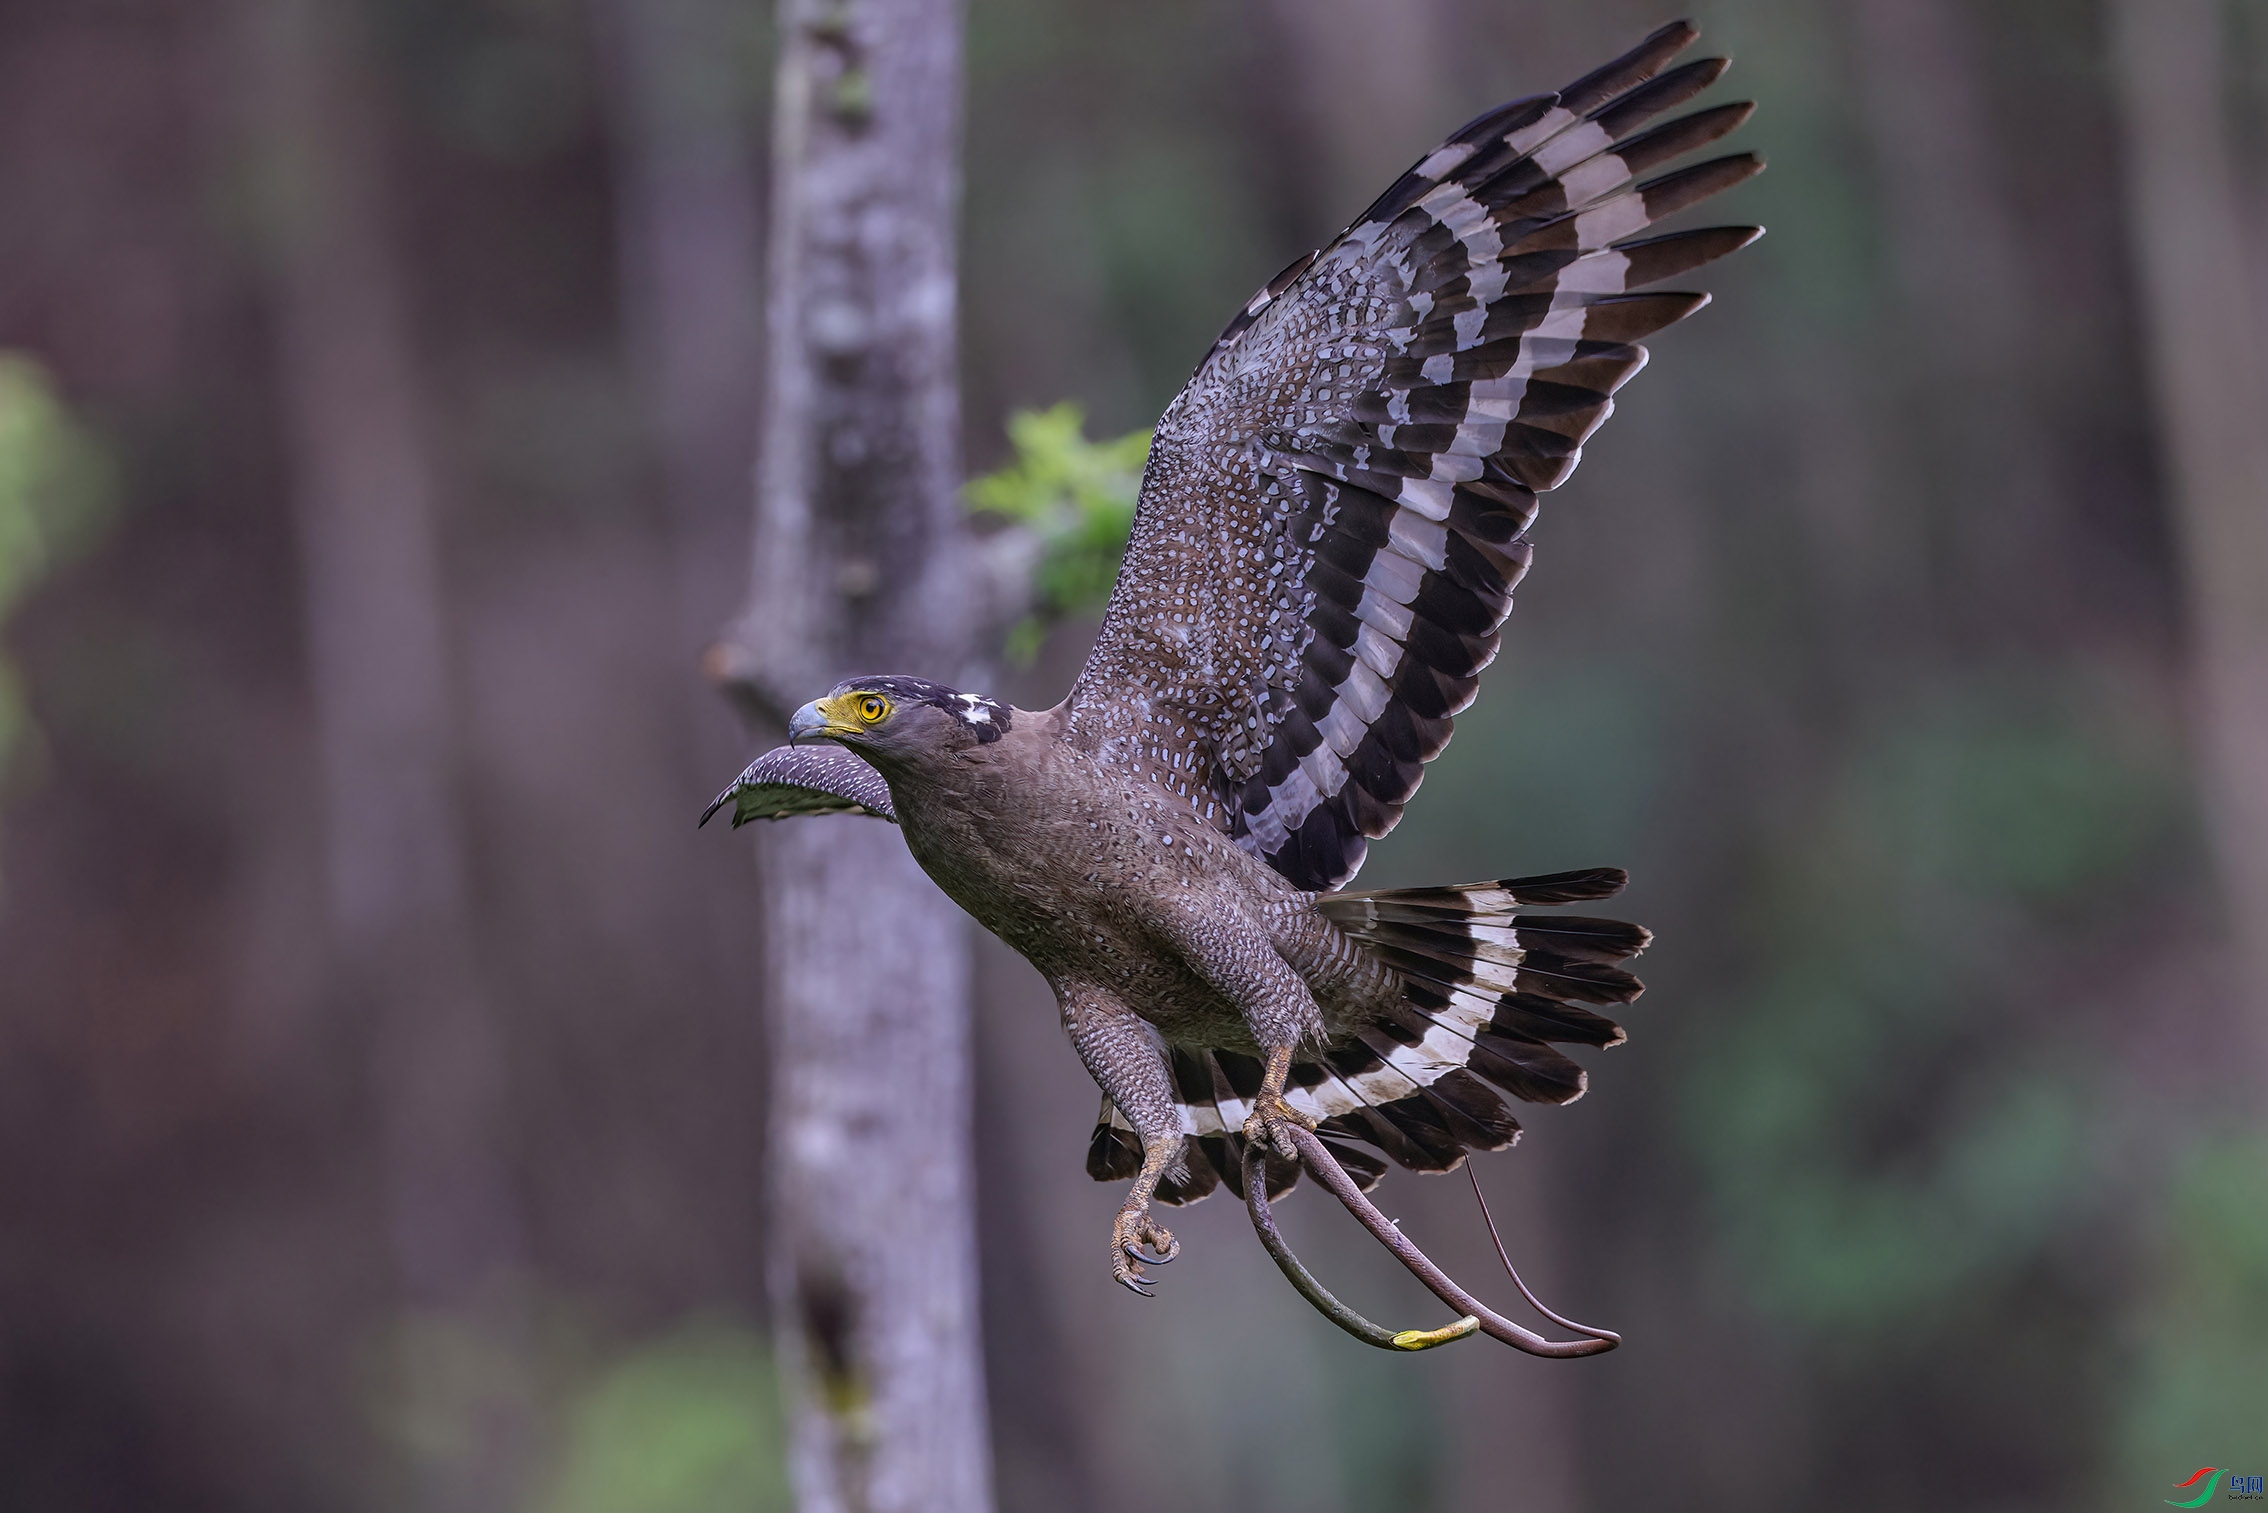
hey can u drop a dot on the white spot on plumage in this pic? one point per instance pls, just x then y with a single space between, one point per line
1365 692
1542 129
1439 1050
1593 273
1624 215
1393 576
1324 769
1571 146
1443 159
1589 179
1342 729
1392 618
1419 539
1378 651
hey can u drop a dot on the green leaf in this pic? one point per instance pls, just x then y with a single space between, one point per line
54 481
1078 497
55 494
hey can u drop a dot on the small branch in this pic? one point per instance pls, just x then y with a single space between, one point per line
1003 562
1326 1170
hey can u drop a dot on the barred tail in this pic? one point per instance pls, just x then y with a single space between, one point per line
1488 992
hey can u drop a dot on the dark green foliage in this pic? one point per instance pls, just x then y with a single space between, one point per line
2202 1376
1885 1127
689 1423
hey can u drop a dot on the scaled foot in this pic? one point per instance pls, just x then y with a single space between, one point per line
1137 1238
1266 1124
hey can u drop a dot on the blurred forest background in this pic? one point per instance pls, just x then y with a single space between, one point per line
380 1071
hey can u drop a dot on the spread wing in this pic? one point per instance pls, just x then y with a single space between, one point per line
792 780
1335 508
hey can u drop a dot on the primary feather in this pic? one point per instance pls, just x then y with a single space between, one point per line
1336 506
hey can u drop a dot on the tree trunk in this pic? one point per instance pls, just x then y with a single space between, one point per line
861 564
2203 339
403 960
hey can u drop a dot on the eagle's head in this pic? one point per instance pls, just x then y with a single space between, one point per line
900 722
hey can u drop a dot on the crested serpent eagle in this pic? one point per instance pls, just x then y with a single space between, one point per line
1331 522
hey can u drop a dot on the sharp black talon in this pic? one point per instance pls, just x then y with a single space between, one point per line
1135 1286
1139 1254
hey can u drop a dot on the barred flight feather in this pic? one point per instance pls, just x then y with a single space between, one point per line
1488 993
1334 515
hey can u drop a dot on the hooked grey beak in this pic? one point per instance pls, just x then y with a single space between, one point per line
807 724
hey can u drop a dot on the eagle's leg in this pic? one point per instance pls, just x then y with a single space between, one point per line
1240 960
1135 1236
1123 1055
1269 1110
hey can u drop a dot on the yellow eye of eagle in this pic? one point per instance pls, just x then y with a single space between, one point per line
872 707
